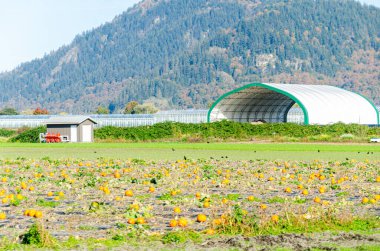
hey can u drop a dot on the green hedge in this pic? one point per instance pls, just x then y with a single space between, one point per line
6 133
230 130
29 136
223 130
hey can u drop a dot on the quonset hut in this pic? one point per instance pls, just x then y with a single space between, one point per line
320 104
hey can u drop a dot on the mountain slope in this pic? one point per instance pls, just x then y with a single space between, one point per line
185 53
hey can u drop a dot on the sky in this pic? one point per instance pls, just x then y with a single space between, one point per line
30 29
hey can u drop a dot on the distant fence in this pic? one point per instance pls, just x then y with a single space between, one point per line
295 115
119 120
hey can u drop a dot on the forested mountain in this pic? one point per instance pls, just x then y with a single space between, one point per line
186 53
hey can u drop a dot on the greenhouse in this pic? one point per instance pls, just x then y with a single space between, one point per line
270 103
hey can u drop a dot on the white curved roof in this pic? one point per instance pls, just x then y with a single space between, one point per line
321 104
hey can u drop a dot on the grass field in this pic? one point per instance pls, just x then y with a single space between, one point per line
174 151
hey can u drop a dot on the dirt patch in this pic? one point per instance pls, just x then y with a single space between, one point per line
298 242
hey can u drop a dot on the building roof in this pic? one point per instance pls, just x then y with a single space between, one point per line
68 120
321 104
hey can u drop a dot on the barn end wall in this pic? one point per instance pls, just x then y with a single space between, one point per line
86 122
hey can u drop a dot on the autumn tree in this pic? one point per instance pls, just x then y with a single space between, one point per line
145 109
130 107
39 111
102 110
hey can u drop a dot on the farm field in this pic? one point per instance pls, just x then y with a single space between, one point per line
226 204
175 151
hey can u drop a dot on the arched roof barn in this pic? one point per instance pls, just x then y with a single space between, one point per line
321 104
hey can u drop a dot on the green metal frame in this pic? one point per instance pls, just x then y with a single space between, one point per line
289 95
369 101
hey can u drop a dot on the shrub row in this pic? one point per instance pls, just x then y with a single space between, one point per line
223 130
230 130
6 133
29 136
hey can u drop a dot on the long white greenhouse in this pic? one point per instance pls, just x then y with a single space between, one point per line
320 104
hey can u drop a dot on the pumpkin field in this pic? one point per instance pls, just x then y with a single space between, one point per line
214 203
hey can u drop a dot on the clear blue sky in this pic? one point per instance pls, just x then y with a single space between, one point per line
31 28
